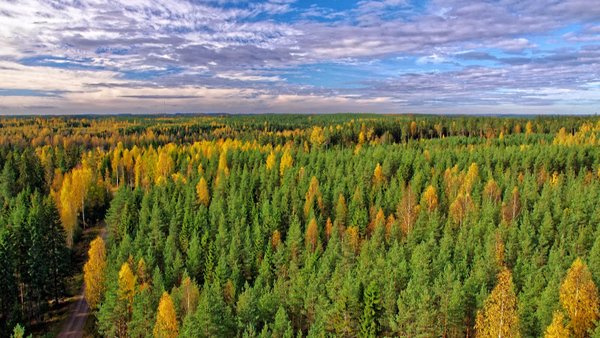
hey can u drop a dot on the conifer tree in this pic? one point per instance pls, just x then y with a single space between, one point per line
369 323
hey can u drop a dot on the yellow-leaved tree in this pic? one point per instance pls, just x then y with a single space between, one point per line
378 177
68 209
460 208
499 317
312 235
286 162
579 299
317 136
271 161
557 328
127 282
166 320
313 194
125 293
430 198
202 192
81 181
93 272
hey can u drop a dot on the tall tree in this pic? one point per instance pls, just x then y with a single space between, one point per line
369 322
499 317
557 328
166 321
93 272
579 298
202 192
407 210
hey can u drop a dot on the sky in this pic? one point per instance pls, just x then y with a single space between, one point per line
298 56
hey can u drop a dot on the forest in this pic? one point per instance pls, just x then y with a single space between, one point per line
345 225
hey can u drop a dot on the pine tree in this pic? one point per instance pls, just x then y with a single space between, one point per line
282 328
369 323
166 321
57 254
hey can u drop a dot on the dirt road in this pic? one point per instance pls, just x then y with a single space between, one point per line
75 324
73 327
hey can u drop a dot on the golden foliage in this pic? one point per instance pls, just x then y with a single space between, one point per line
67 209
164 165
93 272
587 134
275 239
286 162
499 316
579 298
460 208
223 166
377 222
528 128
312 235
313 194
166 320
430 198
557 328
491 191
378 176
470 178
413 128
361 137
317 136
271 161
353 238
328 228
202 192
127 283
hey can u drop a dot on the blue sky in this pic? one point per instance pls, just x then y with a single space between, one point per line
235 56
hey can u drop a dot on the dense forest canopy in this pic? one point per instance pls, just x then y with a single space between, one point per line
306 225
